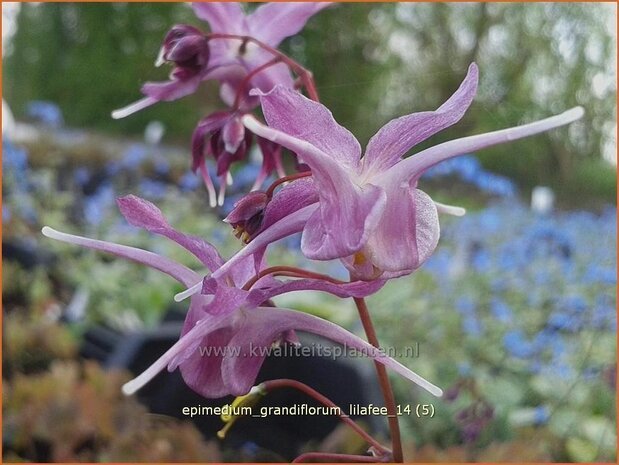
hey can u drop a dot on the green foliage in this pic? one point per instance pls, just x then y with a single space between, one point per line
92 59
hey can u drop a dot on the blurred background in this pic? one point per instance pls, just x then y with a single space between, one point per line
514 314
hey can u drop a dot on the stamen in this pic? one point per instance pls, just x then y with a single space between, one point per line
248 400
359 259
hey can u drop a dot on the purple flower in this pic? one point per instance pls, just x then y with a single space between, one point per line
370 213
229 328
197 57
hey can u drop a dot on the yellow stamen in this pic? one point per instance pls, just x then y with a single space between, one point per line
359 259
235 408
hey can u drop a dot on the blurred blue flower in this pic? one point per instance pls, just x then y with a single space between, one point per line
517 345
133 156
98 205
46 113
500 310
81 176
189 181
541 415
13 158
153 190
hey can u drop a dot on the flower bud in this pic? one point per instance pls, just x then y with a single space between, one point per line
247 215
186 47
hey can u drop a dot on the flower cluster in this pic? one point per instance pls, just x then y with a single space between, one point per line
365 211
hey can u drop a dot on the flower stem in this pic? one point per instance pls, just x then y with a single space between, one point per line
329 457
291 383
292 272
305 75
383 379
238 99
271 190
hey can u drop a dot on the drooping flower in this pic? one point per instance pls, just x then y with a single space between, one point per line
371 214
230 325
197 57
239 65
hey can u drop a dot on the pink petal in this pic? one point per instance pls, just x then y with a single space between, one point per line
184 348
179 272
204 129
347 212
413 167
172 90
407 233
233 134
343 223
290 198
288 111
261 292
398 136
290 225
258 328
143 214
222 17
273 22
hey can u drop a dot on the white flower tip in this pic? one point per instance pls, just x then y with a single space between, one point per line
160 60
250 122
188 292
212 201
436 391
450 209
53 234
133 108
574 114
129 388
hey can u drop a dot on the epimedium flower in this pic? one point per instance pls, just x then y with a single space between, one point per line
232 323
197 57
240 52
370 213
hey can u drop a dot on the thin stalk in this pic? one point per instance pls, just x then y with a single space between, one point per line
329 457
383 379
292 272
305 75
291 383
243 86
271 190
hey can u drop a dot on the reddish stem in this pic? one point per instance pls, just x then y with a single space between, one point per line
290 271
329 457
304 74
271 190
291 383
383 379
245 82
